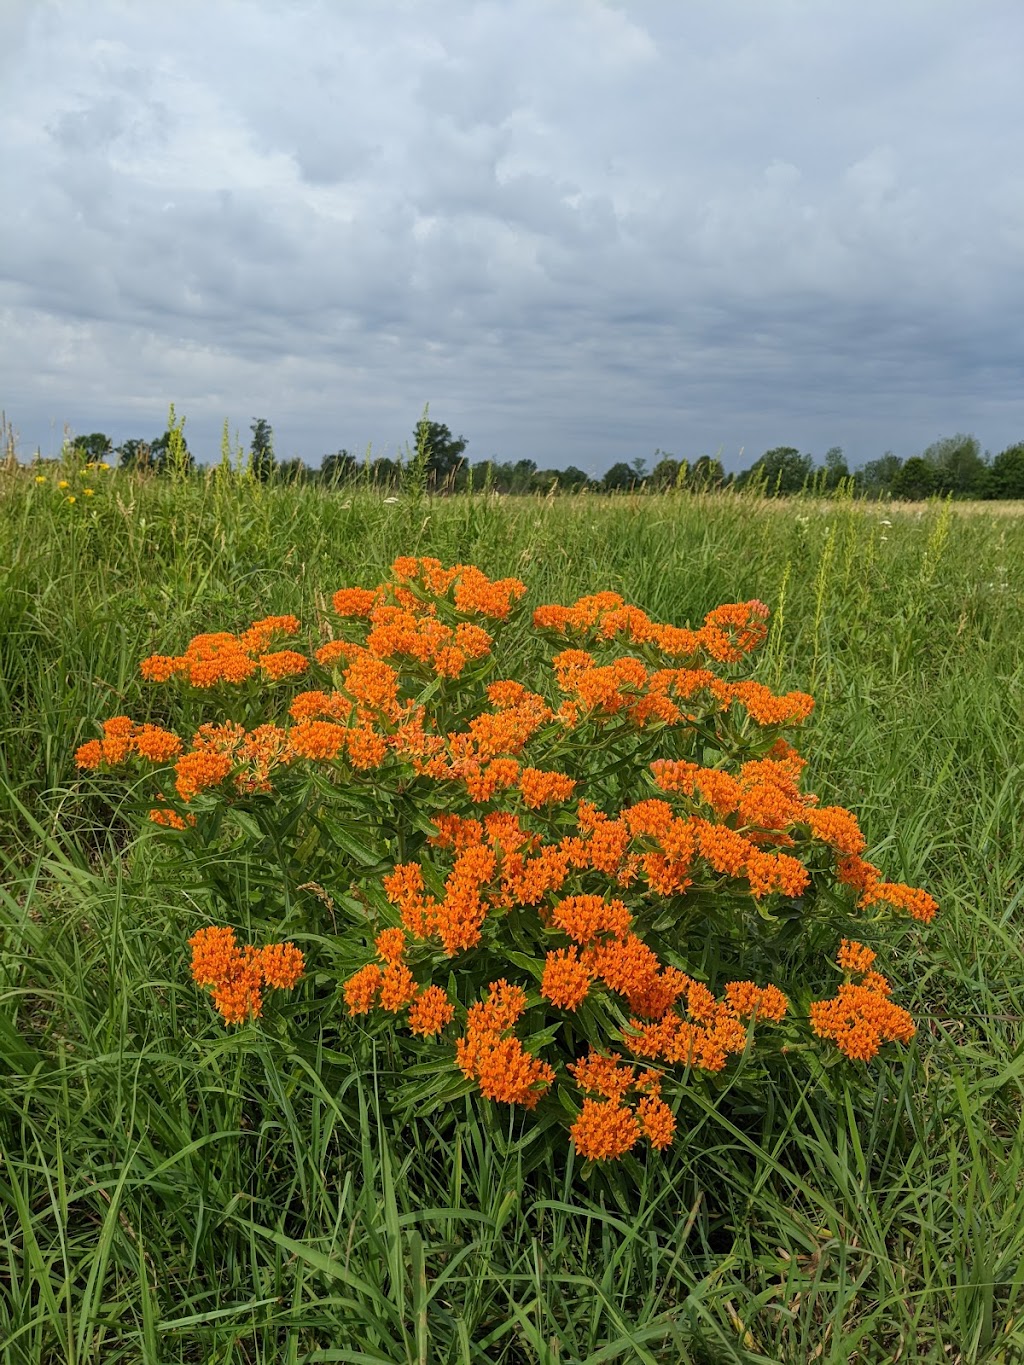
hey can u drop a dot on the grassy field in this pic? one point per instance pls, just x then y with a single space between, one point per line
171 1192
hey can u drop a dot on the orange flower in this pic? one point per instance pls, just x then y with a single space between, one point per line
734 629
197 771
583 918
238 975
282 965
390 945
493 777
316 705
544 788
768 709
214 955
473 641
853 871
336 651
602 1074
629 967
260 633
499 1064
161 815
317 739
156 745
652 818
836 826
238 997
657 1122
286 663
397 987
860 1019
373 683
430 1012
748 1001
917 903
118 739
604 1130
366 749
566 979
355 601
160 667
722 848
362 989
89 755
854 957
504 694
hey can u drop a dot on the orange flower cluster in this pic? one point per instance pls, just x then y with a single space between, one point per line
917 903
123 738
239 976
396 631
714 1028
543 789
456 919
626 687
170 819
764 795
728 633
430 1012
854 956
472 593
609 1127
566 978
221 750
861 1017
223 657
490 1054
284 663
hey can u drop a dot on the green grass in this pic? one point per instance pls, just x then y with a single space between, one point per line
170 1191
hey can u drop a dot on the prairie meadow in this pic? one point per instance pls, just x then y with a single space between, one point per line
174 1190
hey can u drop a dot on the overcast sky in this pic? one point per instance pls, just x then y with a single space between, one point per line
580 230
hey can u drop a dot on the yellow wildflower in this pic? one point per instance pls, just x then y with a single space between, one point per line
63 484
72 498
87 492
40 478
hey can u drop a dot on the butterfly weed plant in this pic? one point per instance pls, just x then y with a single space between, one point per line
578 891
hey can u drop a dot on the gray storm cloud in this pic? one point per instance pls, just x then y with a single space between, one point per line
579 230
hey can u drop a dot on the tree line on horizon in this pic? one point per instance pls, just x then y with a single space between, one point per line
952 466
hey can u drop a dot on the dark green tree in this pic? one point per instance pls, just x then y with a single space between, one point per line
620 476
958 465
264 461
1007 473
705 473
135 454
784 470
385 473
665 472
836 470
439 451
169 452
916 479
294 471
341 467
523 474
878 476
572 480
92 449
